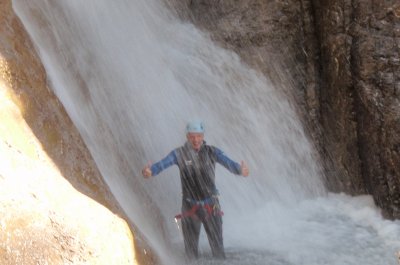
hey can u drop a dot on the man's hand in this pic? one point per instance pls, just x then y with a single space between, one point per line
244 169
146 171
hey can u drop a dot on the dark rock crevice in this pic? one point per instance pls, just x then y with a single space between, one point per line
338 116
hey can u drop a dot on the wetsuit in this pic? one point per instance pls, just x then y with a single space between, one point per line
197 172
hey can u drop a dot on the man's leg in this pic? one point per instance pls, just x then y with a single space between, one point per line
213 227
191 231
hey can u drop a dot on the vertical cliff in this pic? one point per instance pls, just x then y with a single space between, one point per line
360 44
339 60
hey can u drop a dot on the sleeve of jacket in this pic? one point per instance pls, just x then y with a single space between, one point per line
166 162
228 163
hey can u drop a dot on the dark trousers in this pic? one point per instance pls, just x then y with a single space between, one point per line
191 226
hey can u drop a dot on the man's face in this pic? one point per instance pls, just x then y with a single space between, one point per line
196 140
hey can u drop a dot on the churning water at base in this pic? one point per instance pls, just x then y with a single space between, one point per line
130 76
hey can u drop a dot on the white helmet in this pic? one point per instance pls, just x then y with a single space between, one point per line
195 127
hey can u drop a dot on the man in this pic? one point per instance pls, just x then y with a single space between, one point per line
196 161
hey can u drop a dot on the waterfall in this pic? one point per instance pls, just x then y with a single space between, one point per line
130 75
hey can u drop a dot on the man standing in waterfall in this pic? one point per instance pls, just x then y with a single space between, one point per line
196 162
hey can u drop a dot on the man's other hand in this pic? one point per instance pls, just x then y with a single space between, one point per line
244 169
146 171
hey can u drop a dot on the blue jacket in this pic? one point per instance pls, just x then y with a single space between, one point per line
197 169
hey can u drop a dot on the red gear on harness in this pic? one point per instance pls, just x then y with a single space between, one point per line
207 206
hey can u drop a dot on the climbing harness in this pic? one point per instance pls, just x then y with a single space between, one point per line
208 204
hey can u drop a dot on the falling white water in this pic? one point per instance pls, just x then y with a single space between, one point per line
131 75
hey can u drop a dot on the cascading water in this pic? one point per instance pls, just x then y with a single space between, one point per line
130 75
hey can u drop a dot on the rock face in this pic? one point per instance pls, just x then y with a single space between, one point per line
360 45
339 59
24 75
44 220
55 206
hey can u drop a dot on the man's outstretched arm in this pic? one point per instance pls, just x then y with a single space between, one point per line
232 166
153 170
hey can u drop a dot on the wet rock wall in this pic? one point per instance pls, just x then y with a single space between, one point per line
339 62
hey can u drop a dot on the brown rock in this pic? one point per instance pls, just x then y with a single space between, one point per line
45 219
342 66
